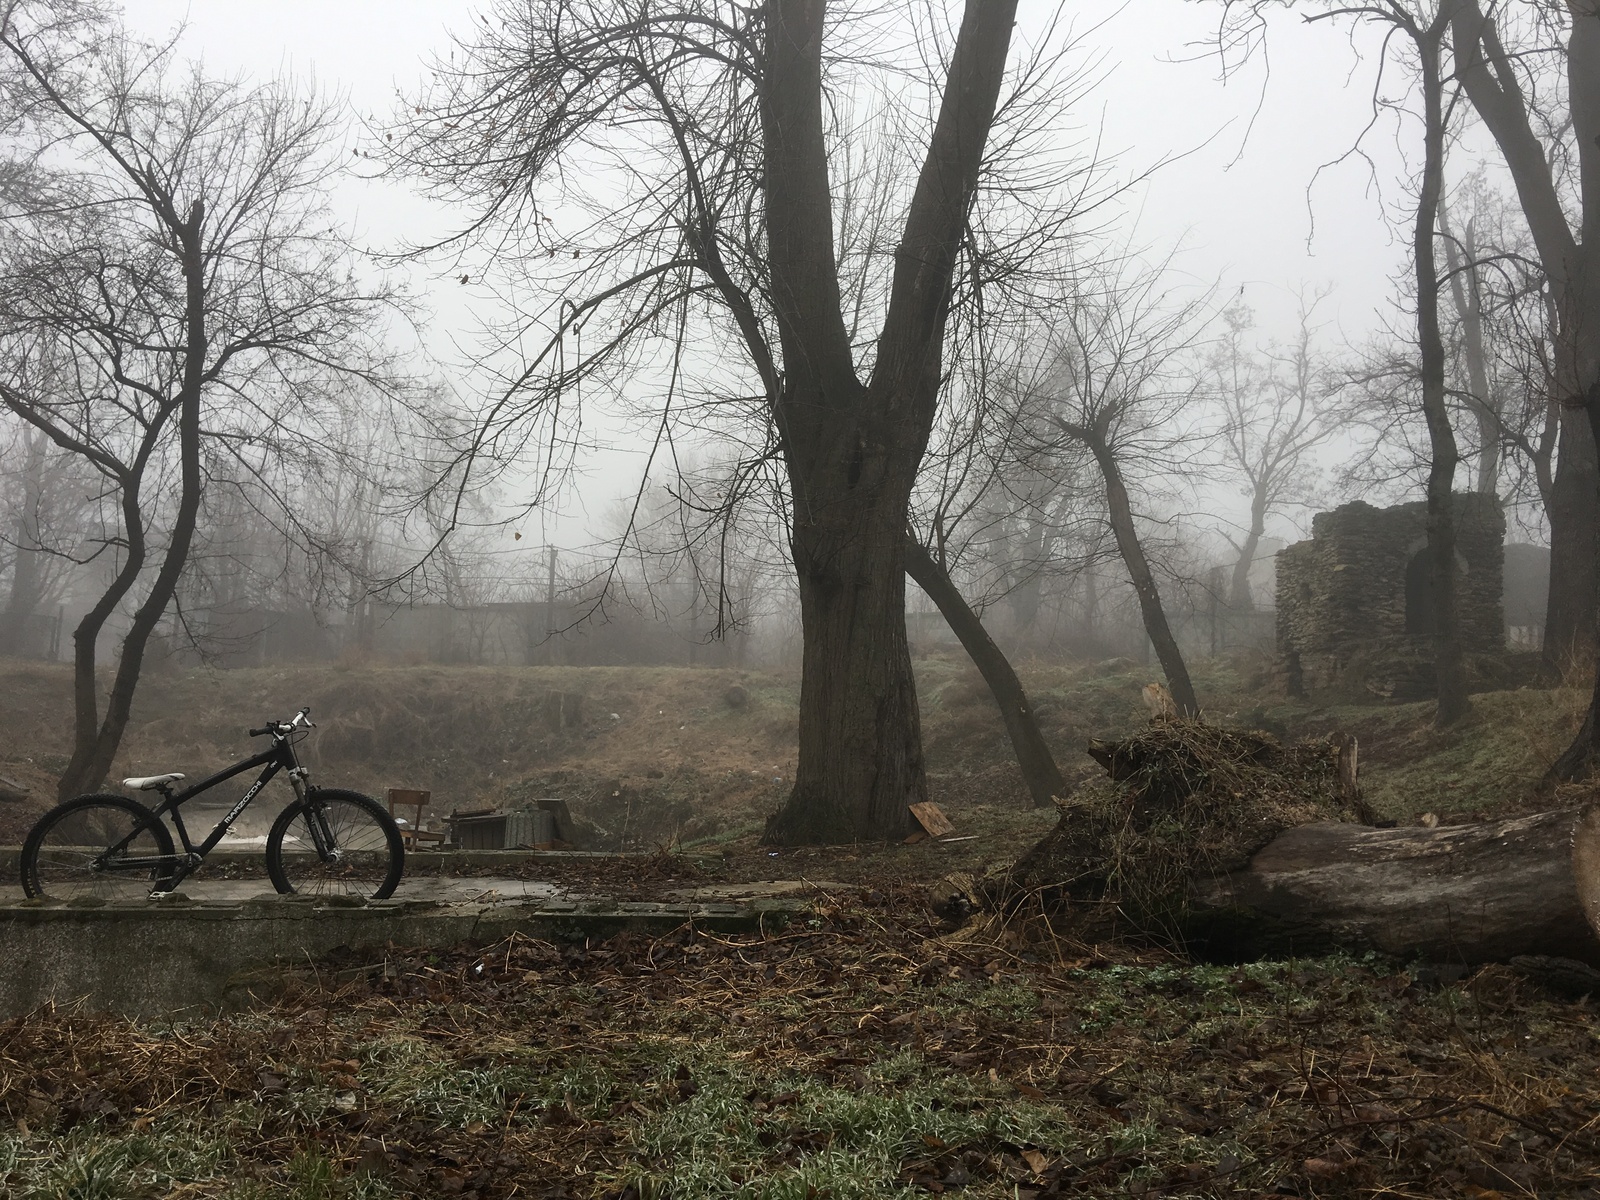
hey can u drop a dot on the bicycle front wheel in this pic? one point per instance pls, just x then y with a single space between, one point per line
103 847
338 843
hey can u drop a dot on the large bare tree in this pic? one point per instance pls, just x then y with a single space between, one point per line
629 162
1551 155
187 282
1416 35
1497 80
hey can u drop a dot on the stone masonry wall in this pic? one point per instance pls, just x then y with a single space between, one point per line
1342 594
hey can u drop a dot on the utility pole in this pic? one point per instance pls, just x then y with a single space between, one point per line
550 611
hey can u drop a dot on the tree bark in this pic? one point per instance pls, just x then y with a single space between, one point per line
1574 518
1488 74
94 746
1451 677
1239 599
852 450
1038 764
1462 893
1143 579
1579 760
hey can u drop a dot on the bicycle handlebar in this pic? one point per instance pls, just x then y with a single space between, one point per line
280 728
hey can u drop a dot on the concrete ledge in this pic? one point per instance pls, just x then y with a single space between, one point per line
422 861
157 957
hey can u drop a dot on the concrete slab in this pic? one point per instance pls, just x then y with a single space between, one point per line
418 862
448 889
186 953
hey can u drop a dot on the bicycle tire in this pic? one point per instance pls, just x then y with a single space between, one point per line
57 862
362 829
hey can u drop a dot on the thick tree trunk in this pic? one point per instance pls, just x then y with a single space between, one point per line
1143 580
1461 893
852 450
1574 517
1490 76
860 761
1579 760
1038 764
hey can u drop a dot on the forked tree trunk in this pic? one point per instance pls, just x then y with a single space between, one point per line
852 450
95 743
1038 764
1490 76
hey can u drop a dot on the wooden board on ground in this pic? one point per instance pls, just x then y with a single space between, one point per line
930 820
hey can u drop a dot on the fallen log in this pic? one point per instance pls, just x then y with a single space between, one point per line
1586 863
1456 893
1241 848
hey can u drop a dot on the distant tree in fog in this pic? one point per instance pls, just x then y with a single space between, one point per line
182 278
1415 49
1274 415
45 501
1112 373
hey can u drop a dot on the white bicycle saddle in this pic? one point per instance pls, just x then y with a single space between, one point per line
144 783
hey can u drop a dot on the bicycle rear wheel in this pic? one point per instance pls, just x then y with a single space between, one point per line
103 846
338 843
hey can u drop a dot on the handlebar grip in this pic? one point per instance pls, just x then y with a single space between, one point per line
259 732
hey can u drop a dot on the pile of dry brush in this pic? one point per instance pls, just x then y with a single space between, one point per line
1180 800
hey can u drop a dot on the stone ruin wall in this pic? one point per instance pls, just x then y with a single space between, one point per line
1341 596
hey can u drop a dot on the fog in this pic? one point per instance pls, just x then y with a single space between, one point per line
1249 233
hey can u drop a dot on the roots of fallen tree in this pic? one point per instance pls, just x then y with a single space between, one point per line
1241 847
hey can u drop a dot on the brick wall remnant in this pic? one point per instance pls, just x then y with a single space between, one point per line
1343 602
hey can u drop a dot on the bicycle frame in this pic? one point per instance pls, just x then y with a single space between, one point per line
277 757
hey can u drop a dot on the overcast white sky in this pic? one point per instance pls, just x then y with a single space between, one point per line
1238 204
1243 212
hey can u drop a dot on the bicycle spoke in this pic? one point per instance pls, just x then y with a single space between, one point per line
85 853
357 854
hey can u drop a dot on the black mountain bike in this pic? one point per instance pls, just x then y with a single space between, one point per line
105 845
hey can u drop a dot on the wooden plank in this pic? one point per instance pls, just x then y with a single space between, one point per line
934 823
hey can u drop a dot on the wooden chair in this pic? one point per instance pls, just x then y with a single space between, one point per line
415 800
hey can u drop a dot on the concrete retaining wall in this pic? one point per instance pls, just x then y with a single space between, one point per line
157 957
